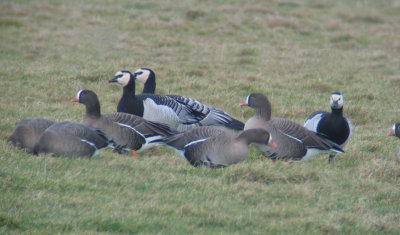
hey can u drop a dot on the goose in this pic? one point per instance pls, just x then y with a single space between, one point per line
395 132
148 78
178 112
26 132
216 147
333 126
129 132
294 142
72 140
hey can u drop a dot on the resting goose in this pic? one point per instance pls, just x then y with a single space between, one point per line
294 142
27 132
216 146
178 112
128 131
331 125
71 139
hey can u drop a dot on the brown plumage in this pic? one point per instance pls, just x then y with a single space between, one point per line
216 146
294 142
71 139
128 131
27 132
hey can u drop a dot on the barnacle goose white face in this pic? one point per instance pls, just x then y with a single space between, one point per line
123 78
336 100
142 75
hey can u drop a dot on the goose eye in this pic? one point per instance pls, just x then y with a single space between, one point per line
139 73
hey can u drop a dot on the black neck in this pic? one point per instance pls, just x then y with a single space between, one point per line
338 112
150 84
129 89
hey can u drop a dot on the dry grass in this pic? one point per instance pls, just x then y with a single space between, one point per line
296 52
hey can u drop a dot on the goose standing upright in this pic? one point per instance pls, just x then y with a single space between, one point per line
128 131
216 146
72 140
294 142
26 133
334 126
178 112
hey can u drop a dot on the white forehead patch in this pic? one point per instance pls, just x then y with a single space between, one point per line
78 94
145 74
124 79
248 99
336 98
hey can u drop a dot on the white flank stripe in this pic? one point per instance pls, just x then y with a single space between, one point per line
194 142
292 137
312 123
132 128
91 144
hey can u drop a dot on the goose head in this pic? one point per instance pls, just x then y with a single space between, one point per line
122 77
85 97
395 130
143 74
336 100
259 136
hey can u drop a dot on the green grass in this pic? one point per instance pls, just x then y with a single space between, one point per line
296 52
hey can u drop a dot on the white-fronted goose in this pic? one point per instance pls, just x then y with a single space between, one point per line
27 132
178 112
71 139
294 142
128 131
216 146
331 125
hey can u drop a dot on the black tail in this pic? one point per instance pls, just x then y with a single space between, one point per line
235 124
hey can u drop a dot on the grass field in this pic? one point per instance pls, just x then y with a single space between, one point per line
296 52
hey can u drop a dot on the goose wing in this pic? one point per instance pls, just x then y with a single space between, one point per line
295 131
89 135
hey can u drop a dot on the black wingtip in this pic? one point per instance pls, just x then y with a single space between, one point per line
236 125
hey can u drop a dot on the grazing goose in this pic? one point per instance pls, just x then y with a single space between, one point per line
216 146
178 112
27 132
129 132
331 125
71 139
294 142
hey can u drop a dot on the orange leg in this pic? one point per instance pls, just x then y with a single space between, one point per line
134 154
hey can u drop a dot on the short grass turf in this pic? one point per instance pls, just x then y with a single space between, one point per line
295 52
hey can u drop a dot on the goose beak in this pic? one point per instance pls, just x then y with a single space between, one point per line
390 133
74 100
244 103
272 144
114 80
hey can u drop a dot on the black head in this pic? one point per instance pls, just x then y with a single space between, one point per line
122 77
